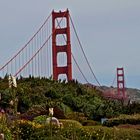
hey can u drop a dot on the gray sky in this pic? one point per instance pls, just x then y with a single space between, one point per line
108 29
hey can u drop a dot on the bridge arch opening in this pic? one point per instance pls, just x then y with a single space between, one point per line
61 59
62 77
61 39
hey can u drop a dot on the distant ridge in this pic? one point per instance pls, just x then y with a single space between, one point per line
133 93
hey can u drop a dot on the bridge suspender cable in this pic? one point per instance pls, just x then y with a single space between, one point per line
84 52
26 44
113 81
38 50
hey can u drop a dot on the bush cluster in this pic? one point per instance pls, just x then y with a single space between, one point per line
73 130
123 119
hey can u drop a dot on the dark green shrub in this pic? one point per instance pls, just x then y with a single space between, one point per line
71 123
90 123
77 116
40 119
123 119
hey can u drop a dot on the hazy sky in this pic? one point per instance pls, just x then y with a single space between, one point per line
108 29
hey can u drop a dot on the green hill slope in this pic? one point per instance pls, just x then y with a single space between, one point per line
36 95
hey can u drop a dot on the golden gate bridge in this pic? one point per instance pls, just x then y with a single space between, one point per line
50 53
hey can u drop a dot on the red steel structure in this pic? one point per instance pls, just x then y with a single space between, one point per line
66 48
120 93
120 83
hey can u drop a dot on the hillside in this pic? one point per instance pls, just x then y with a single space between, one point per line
132 93
33 94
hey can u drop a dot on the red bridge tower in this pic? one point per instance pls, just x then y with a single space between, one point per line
120 83
66 48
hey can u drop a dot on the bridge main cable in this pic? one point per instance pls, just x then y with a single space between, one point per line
74 57
84 52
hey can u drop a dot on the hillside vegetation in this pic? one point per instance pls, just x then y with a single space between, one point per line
36 95
78 107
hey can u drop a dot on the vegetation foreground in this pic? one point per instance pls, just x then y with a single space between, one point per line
79 108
